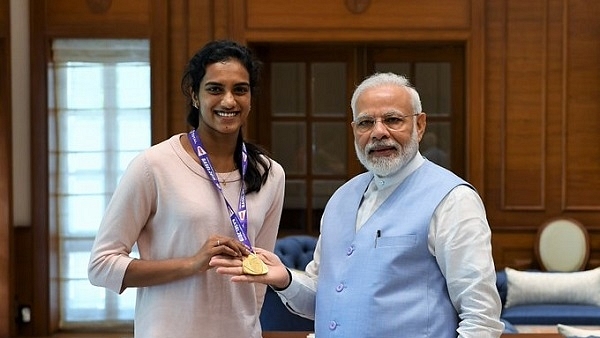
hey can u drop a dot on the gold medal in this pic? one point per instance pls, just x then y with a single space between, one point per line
252 265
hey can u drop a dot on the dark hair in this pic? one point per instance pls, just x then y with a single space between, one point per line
217 51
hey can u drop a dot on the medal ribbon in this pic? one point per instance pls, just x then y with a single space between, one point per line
239 219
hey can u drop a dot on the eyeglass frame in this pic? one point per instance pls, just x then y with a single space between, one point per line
362 118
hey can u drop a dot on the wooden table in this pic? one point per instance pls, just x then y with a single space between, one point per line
300 334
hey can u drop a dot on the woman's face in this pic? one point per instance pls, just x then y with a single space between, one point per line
224 97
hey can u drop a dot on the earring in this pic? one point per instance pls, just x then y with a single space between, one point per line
195 104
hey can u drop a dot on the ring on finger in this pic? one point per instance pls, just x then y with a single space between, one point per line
218 242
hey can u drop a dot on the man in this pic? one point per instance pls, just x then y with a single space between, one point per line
404 249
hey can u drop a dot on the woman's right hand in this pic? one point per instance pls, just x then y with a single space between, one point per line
217 245
141 273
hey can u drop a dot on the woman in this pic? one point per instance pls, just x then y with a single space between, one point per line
174 201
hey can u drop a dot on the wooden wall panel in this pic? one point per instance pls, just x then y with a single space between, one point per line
594 259
543 146
513 248
475 119
181 30
524 87
5 174
200 20
582 115
542 158
191 25
391 14
81 17
4 18
5 189
554 106
332 20
494 106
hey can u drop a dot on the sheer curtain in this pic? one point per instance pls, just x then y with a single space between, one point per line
99 118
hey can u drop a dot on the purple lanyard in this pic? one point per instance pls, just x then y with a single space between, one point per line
239 219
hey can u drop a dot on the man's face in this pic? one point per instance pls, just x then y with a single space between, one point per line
386 130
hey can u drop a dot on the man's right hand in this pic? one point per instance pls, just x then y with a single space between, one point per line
277 276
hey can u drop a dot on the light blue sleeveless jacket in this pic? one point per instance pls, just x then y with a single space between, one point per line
382 281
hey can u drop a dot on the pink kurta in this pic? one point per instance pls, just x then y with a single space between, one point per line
166 203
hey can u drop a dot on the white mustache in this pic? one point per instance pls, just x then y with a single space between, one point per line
377 145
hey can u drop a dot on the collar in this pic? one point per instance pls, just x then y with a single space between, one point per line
392 180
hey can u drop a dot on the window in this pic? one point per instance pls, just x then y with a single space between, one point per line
99 118
308 128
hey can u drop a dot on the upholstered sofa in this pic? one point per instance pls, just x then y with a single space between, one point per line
295 252
550 298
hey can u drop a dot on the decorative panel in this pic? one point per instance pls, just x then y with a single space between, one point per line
541 158
524 116
130 15
582 115
514 249
357 14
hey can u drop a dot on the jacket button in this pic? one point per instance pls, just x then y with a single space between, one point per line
350 250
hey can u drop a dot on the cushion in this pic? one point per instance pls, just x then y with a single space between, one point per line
529 287
573 332
552 314
295 251
508 327
501 285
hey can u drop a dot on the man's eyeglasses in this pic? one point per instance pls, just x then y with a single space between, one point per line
393 122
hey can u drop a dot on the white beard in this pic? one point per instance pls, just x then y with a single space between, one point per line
384 166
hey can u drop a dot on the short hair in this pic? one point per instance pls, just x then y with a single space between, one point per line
381 79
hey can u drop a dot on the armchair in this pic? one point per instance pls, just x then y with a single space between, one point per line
295 252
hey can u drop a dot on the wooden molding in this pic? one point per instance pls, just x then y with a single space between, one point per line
99 6
357 6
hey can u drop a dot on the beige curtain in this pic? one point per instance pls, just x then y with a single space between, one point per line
99 118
